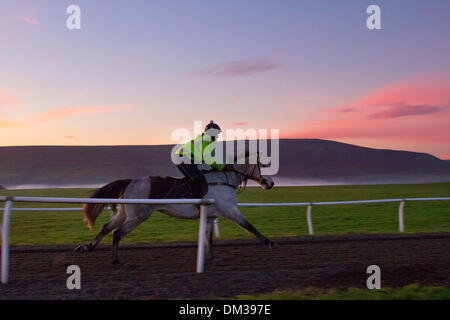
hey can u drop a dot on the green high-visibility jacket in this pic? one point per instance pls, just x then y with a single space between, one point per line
201 150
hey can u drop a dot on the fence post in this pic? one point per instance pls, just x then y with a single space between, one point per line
401 225
201 239
5 241
309 219
216 228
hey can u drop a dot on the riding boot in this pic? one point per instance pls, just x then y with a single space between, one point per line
197 186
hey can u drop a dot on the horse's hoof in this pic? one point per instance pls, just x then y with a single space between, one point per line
81 248
215 259
116 262
273 245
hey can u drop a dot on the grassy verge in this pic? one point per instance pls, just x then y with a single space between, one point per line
410 292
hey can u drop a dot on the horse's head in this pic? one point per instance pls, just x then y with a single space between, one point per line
266 182
253 172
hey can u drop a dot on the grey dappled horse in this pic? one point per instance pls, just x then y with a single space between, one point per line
221 188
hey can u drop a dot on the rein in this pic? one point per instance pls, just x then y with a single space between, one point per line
246 176
242 176
222 184
228 184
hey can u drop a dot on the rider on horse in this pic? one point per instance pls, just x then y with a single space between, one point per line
200 151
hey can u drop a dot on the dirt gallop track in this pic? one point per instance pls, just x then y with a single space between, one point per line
167 272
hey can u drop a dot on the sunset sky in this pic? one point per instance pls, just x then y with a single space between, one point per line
137 70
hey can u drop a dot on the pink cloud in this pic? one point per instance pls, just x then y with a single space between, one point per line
403 110
6 123
343 110
56 114
238 68
53 58
32 21
415 96
60 113
7 99
435 131
239 97
411 111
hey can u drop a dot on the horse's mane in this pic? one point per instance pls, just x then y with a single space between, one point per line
244 155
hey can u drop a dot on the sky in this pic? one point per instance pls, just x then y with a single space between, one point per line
138 70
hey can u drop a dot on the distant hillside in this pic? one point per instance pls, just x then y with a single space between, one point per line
305 159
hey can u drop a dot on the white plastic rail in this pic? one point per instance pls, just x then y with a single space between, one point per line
202 226
8 208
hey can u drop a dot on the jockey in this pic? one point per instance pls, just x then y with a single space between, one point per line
197 152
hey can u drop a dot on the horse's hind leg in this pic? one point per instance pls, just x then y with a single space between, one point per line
119 233
107 228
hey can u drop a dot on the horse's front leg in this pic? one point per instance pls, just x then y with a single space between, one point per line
234 214
209 238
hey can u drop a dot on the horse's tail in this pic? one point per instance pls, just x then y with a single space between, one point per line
112 190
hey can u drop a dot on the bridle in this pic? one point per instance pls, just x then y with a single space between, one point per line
243 176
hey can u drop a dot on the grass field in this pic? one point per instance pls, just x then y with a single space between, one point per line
410 292
30 228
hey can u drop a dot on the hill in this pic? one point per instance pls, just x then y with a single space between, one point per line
306 160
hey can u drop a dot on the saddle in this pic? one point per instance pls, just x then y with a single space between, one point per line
170 188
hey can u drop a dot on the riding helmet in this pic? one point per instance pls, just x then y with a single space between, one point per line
212 125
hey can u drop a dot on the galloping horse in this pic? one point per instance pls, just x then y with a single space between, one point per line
221 188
